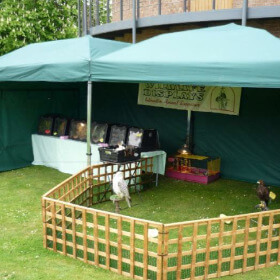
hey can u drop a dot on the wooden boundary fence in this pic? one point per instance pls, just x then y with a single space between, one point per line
201 249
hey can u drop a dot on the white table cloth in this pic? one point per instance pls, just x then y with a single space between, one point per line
69 156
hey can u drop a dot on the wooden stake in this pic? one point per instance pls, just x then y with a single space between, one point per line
220 254
54 226
246 239
270 231
63 225
179 255
107 240
232 249
258 243
194 246
119 221
207 253
84 219
74 232
95 238
132 248
145 253
45 235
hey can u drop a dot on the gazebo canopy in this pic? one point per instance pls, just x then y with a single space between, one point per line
229 55
66 60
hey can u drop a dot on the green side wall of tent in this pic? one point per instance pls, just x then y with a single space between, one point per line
248 144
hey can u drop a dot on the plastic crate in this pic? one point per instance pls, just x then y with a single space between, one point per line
109 154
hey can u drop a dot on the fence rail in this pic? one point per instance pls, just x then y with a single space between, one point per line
200 249
94 13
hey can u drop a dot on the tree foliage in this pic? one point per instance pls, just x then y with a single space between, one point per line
28 21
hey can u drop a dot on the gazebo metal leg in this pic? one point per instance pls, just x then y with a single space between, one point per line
89 104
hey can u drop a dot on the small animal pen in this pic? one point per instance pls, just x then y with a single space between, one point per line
200 249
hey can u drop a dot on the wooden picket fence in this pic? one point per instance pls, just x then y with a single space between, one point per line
201 249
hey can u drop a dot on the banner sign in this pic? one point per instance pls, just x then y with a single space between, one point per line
224 100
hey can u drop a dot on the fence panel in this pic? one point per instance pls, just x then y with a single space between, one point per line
118 243
135 174
144 249
72 187
225 246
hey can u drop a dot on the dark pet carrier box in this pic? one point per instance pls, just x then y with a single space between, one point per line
78 130
145 139
46 124
135 137
100 133
150 141
61 127
117 135
111 154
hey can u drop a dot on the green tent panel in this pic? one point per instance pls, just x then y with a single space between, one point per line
66 60
229 55
21 105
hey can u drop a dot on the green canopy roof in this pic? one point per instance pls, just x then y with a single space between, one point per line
229 55
56 61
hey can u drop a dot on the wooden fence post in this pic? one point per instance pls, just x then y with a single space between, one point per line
160 252
220 251
63 226
90 189
132 249
44 222
73 213
164 255
246 239
54 225
258 243
270 233
194 248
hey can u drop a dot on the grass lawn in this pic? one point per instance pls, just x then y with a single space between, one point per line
178 201
21 252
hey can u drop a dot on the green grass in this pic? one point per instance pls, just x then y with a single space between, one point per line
178 201
22 255
21 252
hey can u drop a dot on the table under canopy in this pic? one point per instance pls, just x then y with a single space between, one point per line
68 155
